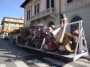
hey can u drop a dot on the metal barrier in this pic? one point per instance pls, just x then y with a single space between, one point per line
81 47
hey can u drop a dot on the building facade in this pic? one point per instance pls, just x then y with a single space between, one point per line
9 24
40 11
47 11
78 10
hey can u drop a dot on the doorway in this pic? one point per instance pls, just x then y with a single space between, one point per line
74 19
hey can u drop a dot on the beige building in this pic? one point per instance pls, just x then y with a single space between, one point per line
47 11
0 30
9 24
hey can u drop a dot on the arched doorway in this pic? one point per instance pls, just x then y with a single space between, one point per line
50 23
74 19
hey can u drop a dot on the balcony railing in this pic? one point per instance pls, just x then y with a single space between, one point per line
43 14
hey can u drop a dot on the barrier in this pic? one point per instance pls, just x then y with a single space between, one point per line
81 46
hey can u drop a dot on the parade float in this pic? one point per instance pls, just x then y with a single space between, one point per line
38 38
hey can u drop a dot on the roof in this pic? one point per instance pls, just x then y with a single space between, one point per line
24 3
12 18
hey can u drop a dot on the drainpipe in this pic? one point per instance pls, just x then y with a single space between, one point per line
59 8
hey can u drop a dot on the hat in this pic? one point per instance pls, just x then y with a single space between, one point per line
62 16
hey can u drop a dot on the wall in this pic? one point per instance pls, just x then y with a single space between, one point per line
73 5
84 13
31 5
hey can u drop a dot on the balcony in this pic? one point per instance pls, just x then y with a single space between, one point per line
47 12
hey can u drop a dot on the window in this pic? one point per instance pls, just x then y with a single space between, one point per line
52 3
21 25
15 20
12 29
69 1
28 15
37 8
7 28
7 24
49 3
12 24
7 19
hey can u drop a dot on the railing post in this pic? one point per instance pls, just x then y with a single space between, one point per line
80 45
50 10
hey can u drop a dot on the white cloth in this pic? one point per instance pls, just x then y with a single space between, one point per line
56 31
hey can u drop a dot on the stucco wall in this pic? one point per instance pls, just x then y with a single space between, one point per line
84 13
73 5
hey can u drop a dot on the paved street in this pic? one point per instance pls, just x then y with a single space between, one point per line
9 54
14 56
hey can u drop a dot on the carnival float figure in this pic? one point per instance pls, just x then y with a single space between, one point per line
51 38
63 37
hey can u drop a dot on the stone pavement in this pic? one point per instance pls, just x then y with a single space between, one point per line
82 62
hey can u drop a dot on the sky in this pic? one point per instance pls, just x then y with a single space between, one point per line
11 8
